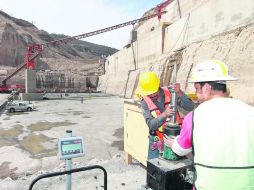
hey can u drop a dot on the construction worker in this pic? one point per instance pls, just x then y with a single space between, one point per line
220 133
155 106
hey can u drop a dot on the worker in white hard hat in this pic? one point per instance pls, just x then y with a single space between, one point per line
219 132
155 104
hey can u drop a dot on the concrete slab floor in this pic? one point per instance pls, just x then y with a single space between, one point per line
29 139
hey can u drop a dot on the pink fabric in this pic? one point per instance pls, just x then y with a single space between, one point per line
157 145
184 139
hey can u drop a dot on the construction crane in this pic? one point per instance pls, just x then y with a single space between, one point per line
33 51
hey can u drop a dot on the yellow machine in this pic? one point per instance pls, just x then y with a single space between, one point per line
192 96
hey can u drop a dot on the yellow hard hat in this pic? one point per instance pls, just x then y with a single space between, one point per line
149 83
211 70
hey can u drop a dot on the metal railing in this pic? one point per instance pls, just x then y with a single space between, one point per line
69 172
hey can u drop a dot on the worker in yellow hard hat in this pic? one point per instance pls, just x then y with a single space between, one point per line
156 109
219 133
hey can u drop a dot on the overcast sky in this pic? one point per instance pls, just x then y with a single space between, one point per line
74 17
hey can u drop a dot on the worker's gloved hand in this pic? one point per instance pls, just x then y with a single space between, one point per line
177 88
168 112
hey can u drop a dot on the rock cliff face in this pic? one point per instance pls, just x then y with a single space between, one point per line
12 47
84 57
236 49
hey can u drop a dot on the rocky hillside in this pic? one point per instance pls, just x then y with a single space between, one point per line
17 34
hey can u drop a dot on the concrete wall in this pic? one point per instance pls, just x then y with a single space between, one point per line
217 29
31 96
30 76
149 47
139 54
213 18
235 49
62 82
173 14
3 100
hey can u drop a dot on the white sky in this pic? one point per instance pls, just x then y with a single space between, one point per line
74 17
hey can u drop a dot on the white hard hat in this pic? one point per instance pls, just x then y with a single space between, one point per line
211 70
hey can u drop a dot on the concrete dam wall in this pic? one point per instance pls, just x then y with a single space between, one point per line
209 29
60 82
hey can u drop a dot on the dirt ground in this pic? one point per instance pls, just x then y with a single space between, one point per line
28 143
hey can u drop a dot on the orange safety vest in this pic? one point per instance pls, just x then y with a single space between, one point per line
156 112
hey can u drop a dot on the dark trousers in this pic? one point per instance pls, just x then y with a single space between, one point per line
152 153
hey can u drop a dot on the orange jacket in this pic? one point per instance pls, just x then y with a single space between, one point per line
156 112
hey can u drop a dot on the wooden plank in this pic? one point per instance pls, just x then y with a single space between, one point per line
128 158
135 133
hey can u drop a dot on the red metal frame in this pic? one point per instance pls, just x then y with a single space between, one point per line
32 52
